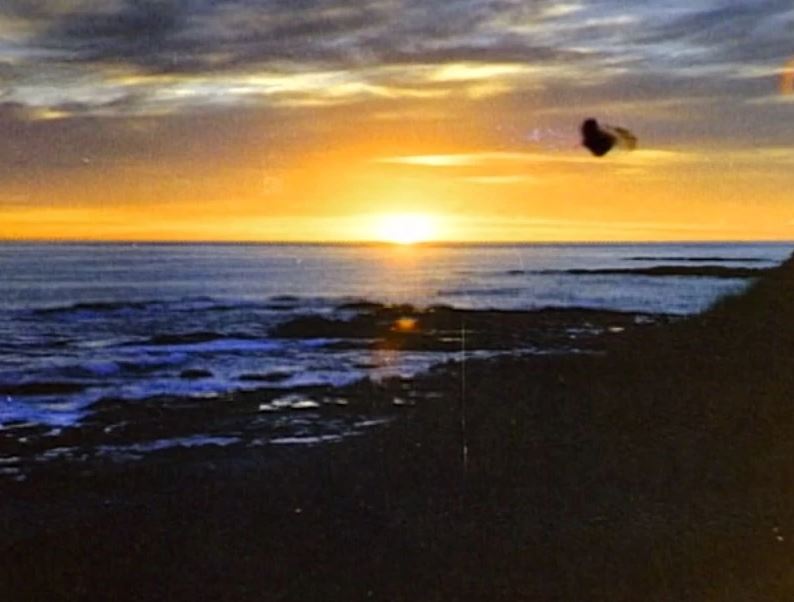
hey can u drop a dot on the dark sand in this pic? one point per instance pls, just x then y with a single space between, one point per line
659 470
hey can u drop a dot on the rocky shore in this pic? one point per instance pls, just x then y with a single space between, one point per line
658 468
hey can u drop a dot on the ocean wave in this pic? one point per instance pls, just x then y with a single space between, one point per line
27 410
481 292
267 377
190 338
145 362
98 307
186 304
219 345
41 388
157 445
197 342
308 439
93 368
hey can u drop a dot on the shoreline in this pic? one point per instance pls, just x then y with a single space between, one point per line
114 430
659 470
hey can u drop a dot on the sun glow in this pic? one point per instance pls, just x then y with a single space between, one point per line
406 229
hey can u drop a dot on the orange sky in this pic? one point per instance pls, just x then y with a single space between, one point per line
472 195
479 132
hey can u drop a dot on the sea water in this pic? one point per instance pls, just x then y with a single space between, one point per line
85 322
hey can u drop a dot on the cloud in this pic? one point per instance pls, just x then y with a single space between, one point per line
202 35
500 180
660 69
729 30
638 157
206 35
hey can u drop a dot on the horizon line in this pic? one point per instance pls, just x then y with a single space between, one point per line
380 243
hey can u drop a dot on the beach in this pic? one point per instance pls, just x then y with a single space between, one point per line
656 469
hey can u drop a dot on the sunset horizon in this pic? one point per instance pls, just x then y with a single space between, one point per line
257 121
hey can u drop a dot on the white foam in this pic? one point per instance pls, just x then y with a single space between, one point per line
308 440
32 411
218 345
163 444
372 422
292 401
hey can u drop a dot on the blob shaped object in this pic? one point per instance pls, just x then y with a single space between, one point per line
625 138
596 140
599 140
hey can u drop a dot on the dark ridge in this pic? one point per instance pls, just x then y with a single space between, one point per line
475 292
188 338
439 328
360 306
41 388
320 327
703 271
281 302
438 307
96 307
695 258
221 307
107 307
375 307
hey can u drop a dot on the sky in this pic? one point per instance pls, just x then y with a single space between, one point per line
310 120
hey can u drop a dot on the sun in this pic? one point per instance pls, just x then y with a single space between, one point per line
406 228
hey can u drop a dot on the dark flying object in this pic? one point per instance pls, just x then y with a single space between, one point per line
599 140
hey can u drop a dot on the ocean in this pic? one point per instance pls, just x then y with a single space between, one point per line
83 324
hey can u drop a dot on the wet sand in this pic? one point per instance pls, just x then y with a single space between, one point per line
659 469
